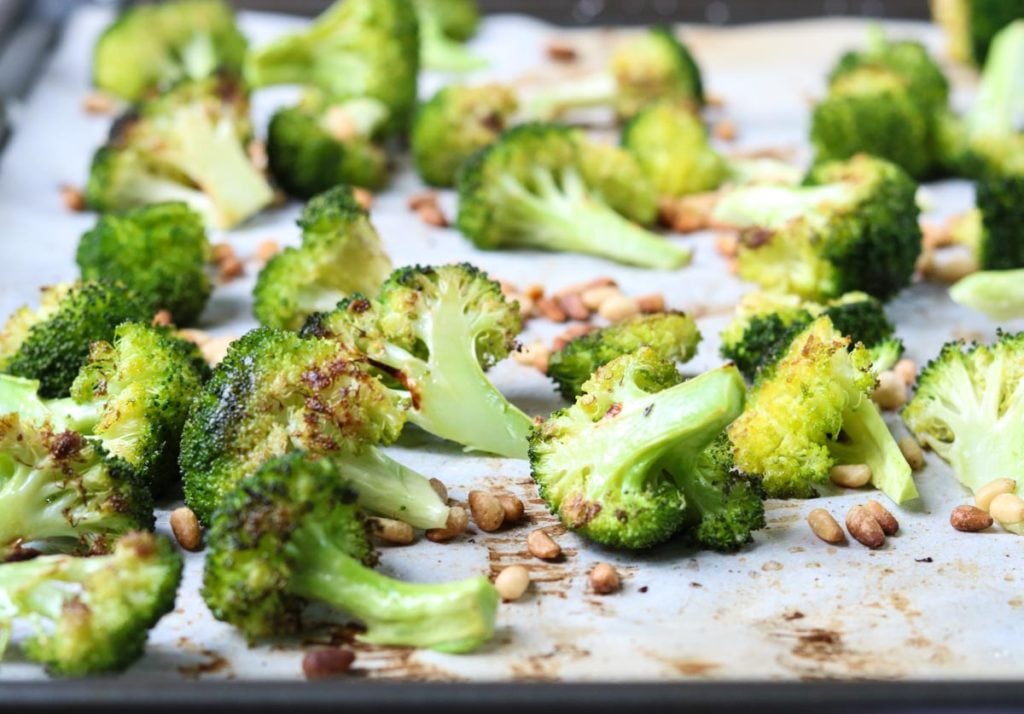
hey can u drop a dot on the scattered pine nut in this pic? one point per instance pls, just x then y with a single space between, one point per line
890 392
726 130
420 199
364 197
339 124
906 369
714 100
231 268
594 297
72 198
952 270
458 522
543 546
936 236
970 519
550 309
215 349
440 489
257 153
890 526
196 337
850 475
727 245
573 306
512 507
986 494
266 250
391 531
487 511
618 308
526 306
220 252
864 528
185 527
512 582
825 526
654 302
162 318
571 333
432 216
535 354
912 452
561 51
534 291
97 102
604 579
325 662
1007 508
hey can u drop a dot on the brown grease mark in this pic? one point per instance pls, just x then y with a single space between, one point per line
902 604
1016 603
791 615
927 559
819 644
693 667
547 665
771 566
214 664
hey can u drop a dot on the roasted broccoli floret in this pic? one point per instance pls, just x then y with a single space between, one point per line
997 293
158 251
812 410
50 343
765 324
969 409
544 186
355 49
971 24
61 492
854 227
444 26
133 396
276 393
150 47
317 144
454 124
90 615
672 335
340 254
614 466
434 331
291 534
651 66
187 145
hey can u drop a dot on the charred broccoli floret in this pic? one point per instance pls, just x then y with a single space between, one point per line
276 393
340 254
291 534
614 465
544 186
150 47
90 615
158 251
355 49
672 335
997 293
972 24
444 26
434 331
854 227
969 409
187 145
51 343
812 410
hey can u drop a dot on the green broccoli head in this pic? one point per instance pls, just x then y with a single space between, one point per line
671 144
454 124
457 19
605 464
812 410
61 492
150 47
51 342
672 335
971 25
545 187
188 145
91 615
340 254
853 228
355 49
159 251
291 534
434 331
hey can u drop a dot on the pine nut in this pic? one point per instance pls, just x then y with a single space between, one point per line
542 546
864 528
72 198
986 494
339 124
726 130
185 527
162 318
196 337
561 51
534 355
891 391
458 522
487 511
850 475
391 531
534 291
364 197
550 309
256 150
1007 508
440 489
825 526
594 297
906 369
266 250
512 582
216 348
618 308
526 306
231 268
890 526
604 579
97 102
221 252
326 662
936 236
952 270
912 452
655 302
970 519
432 216
573 306
512 507
727 245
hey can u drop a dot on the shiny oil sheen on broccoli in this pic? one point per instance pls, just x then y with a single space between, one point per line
340 254
291 534
434 331
90 615
812 410
853 227
616 465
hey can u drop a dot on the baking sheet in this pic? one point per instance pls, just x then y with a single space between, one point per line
933 603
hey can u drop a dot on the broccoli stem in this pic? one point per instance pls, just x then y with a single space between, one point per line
997 293
35 508
1000 98
438 51
567 218
22 396
866 439
772 207
390 489
449 617
596 90
199 56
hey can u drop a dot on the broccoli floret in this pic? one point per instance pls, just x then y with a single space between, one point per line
971 24
61 492
444 26
276 393
154 46
612 465
51 343
340 254
812 410
885 354
187 145
544 186
853 228
454 124
292 535
434 331
672 335
90 615
652 66
968 409
159 251
355 49
997 293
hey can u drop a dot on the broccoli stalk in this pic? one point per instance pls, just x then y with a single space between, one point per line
440 52
997 293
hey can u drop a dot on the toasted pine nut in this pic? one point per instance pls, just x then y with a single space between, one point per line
534 355
486 509
256 150
432 216
906 369
891 392
339 124
1007 508
542 546
935 235
825 526
604 579
890 526
162 318
952 270
570 334
655 302
912 452
986 494
364 197
727 245
549 308
970 519
594 297
391 531
326 662
850 475
574 307
534 291
97 102
726 130
561 51
512 582
440 489
196 337
618 308
185 527
266 250
220 252
458 521
864 528
216 348
526 306
512 507
73 198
